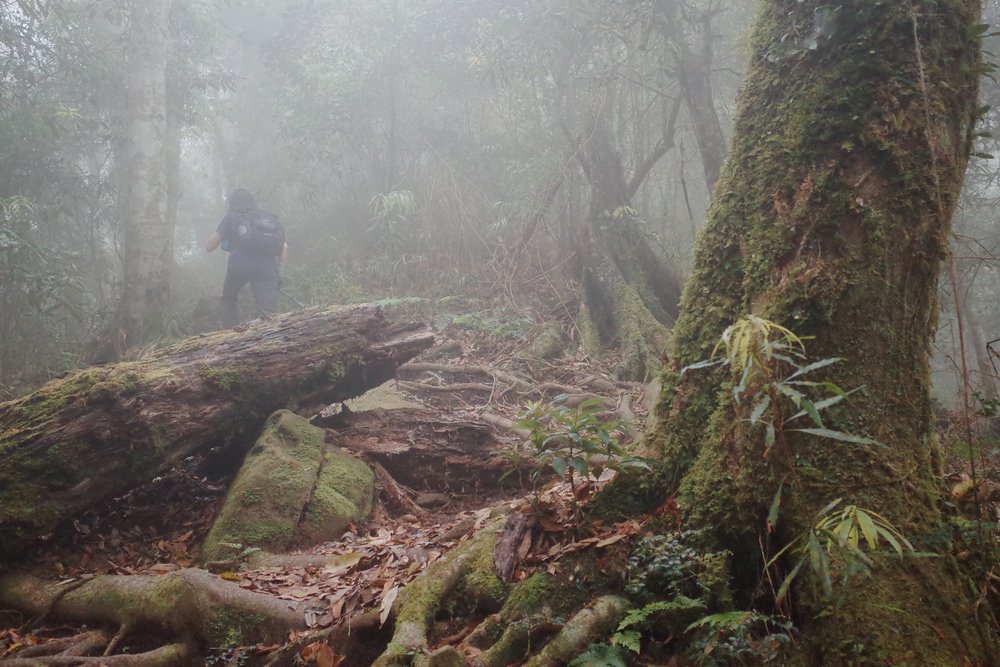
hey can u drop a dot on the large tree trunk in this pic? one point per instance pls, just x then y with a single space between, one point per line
831 218
107 429
149 239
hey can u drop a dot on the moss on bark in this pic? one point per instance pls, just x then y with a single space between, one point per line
831 218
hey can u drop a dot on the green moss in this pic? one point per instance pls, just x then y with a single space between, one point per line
549 344
233 626
421 600
227 378
267 498
590 338
827 219
643 339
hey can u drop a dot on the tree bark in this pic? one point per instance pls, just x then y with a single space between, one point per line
149 239
104 430
831 218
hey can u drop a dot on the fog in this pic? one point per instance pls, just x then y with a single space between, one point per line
449 154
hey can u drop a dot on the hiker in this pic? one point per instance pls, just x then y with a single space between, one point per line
255 241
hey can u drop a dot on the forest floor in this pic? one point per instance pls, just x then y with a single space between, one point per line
465 382
468 380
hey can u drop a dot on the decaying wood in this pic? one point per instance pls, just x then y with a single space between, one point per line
107 429
508 555
425 451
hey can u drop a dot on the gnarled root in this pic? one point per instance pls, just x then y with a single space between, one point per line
189 604
468 568
170 655
586 627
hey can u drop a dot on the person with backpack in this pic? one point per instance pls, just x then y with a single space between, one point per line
257 250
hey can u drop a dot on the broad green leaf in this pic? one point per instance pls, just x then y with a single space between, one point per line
559 465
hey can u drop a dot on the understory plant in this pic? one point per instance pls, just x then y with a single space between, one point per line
775 391
575 443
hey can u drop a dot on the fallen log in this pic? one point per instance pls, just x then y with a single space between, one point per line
107 429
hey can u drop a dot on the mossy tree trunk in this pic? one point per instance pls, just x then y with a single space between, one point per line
629 294
108 429
831 218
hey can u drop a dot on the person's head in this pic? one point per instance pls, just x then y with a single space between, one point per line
241 200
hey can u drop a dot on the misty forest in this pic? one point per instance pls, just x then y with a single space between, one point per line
498 332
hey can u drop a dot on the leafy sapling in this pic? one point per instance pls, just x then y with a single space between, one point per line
576 443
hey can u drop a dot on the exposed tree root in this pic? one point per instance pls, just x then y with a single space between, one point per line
466 572
586 627
188 604
170 655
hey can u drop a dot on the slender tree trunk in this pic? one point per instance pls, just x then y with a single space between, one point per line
694 71
149 240
831 218
629 294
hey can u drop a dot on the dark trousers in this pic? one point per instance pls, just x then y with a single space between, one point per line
262 274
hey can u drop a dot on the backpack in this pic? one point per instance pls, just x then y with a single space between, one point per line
258 233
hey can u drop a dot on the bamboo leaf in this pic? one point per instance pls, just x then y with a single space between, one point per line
783 590
703 364
868 529
772 515
758 410
839 435
815 366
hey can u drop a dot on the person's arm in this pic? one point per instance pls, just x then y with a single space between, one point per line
213 242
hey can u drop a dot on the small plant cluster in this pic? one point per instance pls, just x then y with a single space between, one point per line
774 369
761 351
484 322
738 638
665 566
842 535
565 440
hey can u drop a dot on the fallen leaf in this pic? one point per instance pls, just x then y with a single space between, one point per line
327 658
610 540
309 653
386 607
342 564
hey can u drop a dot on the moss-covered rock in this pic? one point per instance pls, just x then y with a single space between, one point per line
293 489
